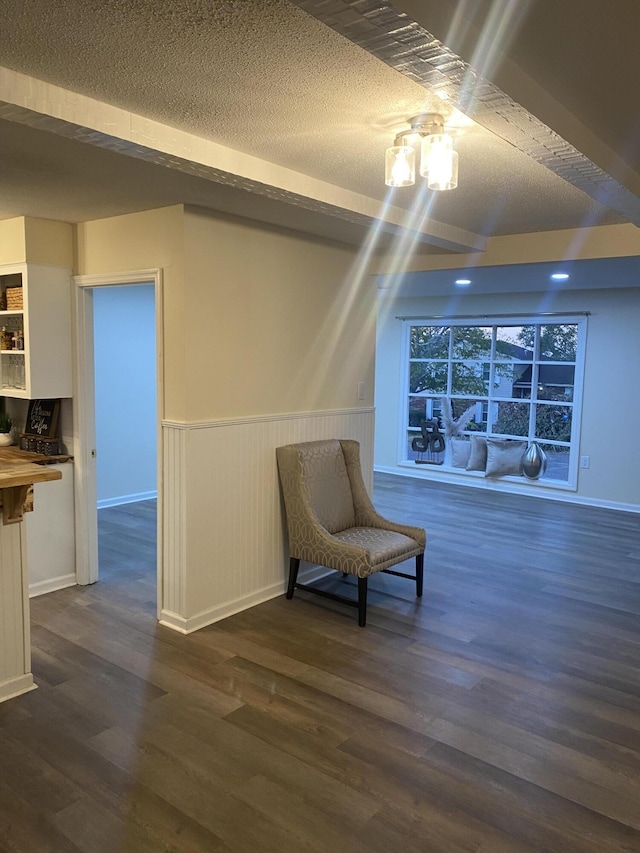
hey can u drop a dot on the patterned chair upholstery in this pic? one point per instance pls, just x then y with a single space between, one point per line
332 522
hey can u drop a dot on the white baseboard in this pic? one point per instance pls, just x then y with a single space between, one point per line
481 483
51 585
215 614
127 499
173 621
16 686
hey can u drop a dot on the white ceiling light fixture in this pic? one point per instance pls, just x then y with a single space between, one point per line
560 276
438 159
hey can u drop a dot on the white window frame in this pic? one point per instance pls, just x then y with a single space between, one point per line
580 320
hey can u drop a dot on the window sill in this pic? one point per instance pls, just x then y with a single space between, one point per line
452 474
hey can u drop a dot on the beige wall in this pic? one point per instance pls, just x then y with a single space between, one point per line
49 242
256 320
267 334
275 321
611 404
13 248
138 241
39 241
605 241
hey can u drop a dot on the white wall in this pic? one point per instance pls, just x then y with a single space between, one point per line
125 390
611 403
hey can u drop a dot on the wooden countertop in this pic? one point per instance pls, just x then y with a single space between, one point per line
20 468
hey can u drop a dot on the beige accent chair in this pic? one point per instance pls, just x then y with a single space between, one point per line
332 522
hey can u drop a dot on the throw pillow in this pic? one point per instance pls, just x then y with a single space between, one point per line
504 457
478 454
460 450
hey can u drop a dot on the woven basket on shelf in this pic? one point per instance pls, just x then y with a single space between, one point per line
14 298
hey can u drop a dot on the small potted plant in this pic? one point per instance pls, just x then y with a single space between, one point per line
5 429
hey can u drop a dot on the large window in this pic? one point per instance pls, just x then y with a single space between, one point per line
519 379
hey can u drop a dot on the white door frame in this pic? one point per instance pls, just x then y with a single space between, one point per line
84 426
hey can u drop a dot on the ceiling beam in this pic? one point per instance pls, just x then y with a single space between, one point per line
437 45
27 101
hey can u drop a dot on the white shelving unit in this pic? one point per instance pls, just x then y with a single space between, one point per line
42 369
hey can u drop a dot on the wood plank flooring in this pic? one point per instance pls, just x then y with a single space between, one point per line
501 714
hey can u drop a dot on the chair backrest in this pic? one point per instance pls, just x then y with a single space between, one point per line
314 476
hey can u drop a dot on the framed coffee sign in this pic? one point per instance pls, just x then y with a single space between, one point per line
42 418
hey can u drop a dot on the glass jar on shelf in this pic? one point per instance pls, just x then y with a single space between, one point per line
13 372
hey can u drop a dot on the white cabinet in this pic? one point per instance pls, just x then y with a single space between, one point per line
35 361
51 551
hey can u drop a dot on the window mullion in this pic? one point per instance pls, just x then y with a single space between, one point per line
450 363
535 373
492 356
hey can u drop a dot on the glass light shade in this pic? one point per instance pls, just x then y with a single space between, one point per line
439 162
400 166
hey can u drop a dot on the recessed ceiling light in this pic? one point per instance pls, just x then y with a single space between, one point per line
560 276
463 282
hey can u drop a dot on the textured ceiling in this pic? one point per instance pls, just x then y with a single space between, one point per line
266 79
264 76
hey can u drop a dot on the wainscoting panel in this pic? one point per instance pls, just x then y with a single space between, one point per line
15 656
172 584
230 552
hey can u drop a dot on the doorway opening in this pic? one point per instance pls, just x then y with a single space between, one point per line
117 421
124 354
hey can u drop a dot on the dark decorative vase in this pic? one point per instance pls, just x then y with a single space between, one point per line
534 462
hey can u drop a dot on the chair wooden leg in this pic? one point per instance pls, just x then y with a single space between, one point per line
294 565
362 602
419 574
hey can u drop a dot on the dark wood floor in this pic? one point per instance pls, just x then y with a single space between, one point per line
499 714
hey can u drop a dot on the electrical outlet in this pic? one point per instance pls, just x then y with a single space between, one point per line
360 390
585 461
